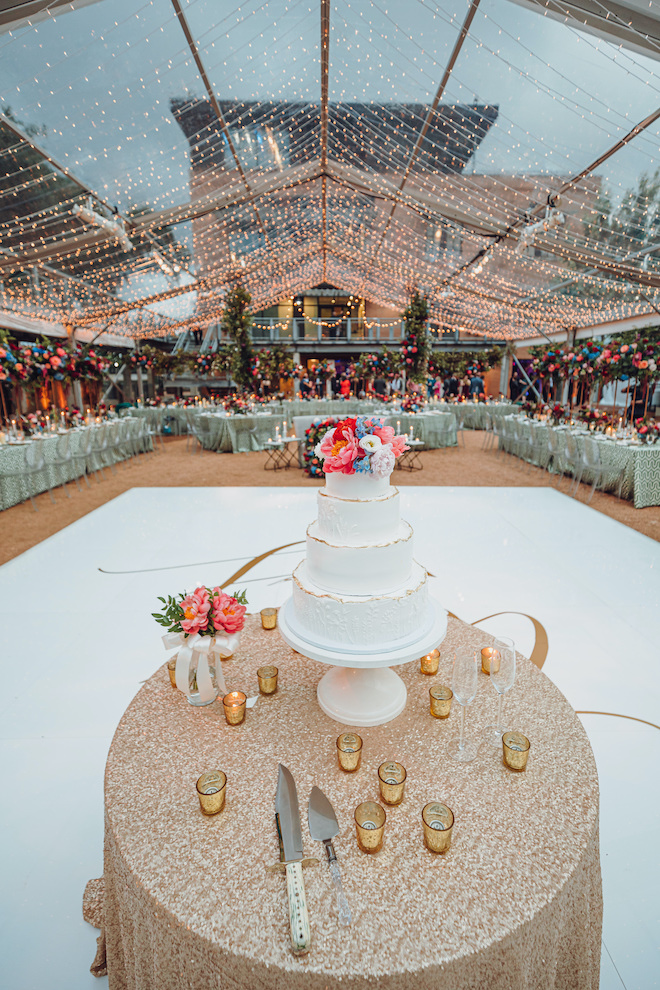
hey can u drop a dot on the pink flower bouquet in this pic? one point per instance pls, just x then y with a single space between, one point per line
203 612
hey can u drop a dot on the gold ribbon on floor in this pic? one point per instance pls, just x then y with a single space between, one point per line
539 653
257 560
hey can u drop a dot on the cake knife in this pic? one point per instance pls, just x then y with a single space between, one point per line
323 827
287 818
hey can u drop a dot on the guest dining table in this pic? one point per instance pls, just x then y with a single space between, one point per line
89 448
187 901
638 462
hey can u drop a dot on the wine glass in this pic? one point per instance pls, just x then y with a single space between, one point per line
464 682
502 676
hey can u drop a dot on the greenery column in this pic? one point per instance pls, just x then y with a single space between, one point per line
236 322
416 346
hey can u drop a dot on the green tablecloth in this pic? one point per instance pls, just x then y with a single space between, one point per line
640 464
16 486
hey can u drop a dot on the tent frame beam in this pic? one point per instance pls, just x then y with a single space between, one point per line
458 44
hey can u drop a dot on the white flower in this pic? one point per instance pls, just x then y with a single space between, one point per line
382 461
370 444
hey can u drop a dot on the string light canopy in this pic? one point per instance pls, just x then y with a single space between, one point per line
502 161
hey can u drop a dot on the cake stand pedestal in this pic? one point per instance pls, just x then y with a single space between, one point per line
361 689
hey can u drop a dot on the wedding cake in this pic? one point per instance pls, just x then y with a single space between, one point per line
359 597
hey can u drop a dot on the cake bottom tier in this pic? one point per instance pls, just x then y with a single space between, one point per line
363 624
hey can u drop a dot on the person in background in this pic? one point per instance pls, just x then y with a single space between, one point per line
380 386
397 384
345 387
197 335
476 385
305 387
452 386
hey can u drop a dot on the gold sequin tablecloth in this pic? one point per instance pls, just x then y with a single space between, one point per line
188 903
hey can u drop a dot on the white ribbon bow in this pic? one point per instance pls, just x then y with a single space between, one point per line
220 645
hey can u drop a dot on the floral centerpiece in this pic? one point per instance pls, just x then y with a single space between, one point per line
236 404
647 429
205 622
411 403
597 418
361 445
556 413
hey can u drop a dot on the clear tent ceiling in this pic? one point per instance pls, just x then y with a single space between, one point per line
370 146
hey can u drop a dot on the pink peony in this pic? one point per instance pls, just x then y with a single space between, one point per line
625 349
228 615
382 461
342 455
55 361
3 352
385 433
196 608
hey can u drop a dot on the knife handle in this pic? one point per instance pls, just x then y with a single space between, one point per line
342 904
301 936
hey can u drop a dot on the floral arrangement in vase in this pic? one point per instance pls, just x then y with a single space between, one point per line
647 429
596 418
556 413
361 445
236 404
205 623
411 403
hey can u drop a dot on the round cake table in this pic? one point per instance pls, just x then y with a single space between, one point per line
188 901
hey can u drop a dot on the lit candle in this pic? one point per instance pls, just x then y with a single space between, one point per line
234 705
398 426
284 428
490 657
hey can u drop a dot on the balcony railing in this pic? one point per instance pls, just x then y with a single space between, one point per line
304 331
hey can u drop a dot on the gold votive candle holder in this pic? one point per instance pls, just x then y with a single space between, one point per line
211 791
171 670
490 655
515 748
370 826
267 679
440 698
234 704
438 821
429 663
269 618
349 751
392 781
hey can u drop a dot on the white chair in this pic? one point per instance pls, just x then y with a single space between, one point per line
62 458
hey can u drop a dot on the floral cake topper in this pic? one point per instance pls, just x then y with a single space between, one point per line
361 445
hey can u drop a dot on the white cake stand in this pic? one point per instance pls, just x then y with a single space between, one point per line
361 690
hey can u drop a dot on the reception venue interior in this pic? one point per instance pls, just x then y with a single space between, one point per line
330 466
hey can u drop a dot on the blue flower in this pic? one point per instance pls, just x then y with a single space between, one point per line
361 465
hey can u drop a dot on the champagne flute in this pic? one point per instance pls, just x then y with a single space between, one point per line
464 682
502 676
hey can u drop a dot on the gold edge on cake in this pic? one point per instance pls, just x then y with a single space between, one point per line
349 599
376 498
365 546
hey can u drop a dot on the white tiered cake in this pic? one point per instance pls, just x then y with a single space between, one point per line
360 601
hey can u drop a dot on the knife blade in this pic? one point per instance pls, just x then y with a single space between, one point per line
287 819
323 827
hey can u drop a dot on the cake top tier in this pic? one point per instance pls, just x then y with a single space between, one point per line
360 445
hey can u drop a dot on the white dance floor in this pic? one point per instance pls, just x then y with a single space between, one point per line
79 639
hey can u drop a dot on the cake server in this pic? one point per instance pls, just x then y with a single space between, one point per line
323 827
287 818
